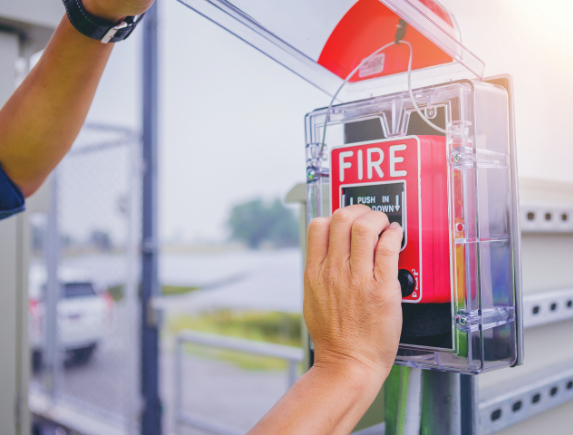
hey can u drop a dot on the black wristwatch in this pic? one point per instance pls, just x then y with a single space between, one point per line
98 28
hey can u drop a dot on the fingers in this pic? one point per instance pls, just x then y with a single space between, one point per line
386 253
340 231
317 240
352 234
365 232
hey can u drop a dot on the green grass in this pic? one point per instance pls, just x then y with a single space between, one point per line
266 326
242 360
116 291
168 290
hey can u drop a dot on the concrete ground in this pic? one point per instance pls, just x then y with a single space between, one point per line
220 391
214 389
106 387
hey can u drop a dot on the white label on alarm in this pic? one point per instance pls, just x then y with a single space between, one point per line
374 65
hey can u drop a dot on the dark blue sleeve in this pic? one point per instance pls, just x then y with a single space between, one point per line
11 197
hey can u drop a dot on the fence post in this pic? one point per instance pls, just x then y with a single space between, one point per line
50 349
178 384
291 372
151 415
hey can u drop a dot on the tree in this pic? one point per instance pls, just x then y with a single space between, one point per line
254 222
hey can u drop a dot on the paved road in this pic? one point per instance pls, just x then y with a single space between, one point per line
103 385
215 389
212 388
265 280
220 391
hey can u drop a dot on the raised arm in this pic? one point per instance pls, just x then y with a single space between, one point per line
41 120
352 309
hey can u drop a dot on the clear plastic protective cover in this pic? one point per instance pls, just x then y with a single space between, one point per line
323 40
458 207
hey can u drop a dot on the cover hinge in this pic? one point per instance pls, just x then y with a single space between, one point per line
476 320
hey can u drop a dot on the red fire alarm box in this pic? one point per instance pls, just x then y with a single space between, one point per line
405 178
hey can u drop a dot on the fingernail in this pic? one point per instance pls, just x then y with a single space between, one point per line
394 225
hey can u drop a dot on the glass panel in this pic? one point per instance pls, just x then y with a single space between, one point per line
456 210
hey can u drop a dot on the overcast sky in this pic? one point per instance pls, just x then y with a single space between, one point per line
232 120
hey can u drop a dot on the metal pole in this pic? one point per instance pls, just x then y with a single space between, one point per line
469 404
441 403
50 351
178 384
151 416
133 398
409 401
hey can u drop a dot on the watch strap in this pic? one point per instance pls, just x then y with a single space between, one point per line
98 28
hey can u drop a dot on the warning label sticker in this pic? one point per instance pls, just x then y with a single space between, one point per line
374 65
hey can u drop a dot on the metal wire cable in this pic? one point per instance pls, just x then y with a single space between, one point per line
349 76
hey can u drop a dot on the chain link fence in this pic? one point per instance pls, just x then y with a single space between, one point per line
84 312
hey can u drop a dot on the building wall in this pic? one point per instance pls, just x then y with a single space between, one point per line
531 40
11 397
26 26
32 13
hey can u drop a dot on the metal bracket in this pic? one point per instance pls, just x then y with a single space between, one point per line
510 403
546 218
155 314
484 319
547 307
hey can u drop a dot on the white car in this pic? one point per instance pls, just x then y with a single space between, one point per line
83 315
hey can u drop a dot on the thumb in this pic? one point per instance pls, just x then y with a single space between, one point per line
387 252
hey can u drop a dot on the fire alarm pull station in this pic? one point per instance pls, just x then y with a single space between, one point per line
406 178
415 130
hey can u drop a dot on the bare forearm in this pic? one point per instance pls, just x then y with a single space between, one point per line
325 400
39 123
352 308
